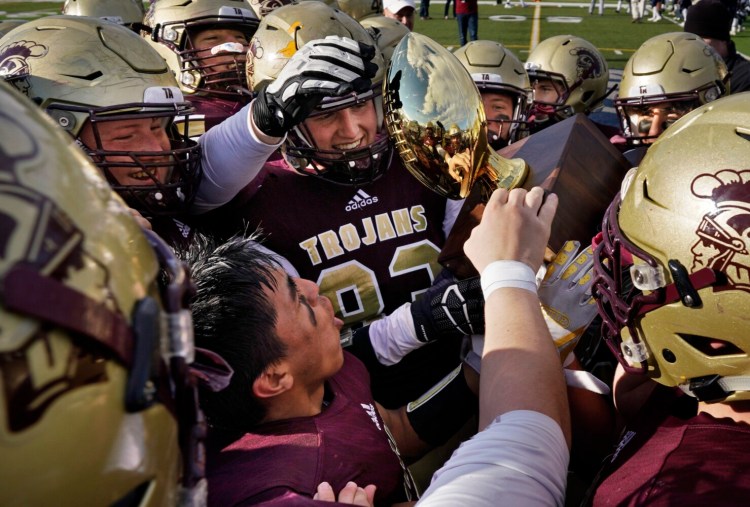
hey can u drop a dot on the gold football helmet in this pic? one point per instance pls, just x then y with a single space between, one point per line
361 9
672 73
387 32
91 374
124 12
86 70
577 71
496 70
682 227
219 71
279 36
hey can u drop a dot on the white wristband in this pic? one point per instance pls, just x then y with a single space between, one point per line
501 274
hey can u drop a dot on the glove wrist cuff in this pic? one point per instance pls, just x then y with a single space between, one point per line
504 274
264 118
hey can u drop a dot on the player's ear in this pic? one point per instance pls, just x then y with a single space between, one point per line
275 379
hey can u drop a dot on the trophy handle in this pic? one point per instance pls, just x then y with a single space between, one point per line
504 172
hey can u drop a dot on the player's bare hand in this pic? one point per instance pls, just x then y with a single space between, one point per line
351 494
515 226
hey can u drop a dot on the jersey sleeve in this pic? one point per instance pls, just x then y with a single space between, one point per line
231 157
519 459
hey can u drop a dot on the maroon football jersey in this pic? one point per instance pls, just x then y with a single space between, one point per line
209 112
370 249
347 441
692 461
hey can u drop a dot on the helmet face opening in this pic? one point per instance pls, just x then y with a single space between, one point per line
504 85
517 123
644 118
355 167
155 183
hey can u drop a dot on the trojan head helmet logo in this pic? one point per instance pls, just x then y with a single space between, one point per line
14 57
724 233
588 64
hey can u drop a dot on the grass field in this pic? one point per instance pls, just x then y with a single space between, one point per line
612 33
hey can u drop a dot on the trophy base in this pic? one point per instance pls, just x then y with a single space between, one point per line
574 160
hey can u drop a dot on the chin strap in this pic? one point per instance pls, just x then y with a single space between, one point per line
713 388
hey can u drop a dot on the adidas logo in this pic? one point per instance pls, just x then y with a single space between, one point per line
360 200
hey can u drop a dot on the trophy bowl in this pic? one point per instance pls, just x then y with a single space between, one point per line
435 117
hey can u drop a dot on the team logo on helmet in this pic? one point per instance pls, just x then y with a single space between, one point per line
55 245
13 60
588 64
724 233
254 51
265 7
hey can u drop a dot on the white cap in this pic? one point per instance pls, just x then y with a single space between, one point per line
396 5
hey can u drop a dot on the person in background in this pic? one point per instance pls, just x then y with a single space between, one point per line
601 7
467 17
712 21
424 10
656 7
447 7
637 10
400 10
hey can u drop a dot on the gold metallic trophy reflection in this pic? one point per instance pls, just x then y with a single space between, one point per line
435 117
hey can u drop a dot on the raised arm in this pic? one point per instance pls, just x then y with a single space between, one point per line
507 248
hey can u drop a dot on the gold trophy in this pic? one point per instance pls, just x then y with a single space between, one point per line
435 117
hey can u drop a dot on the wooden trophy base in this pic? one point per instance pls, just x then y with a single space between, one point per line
574 160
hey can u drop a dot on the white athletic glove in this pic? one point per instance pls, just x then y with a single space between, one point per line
565 294
329 67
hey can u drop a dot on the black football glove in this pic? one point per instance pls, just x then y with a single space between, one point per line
329 67
450 308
